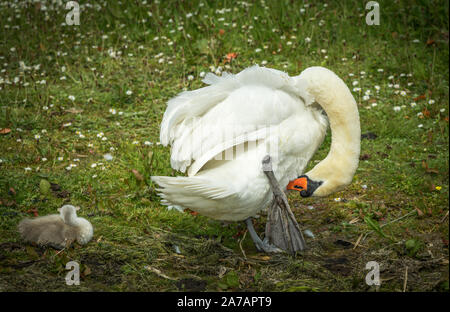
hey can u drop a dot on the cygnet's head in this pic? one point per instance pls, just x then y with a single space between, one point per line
68 213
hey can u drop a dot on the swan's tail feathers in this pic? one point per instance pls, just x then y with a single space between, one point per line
189 192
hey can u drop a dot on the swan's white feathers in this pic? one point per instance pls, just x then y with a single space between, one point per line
223 146
175 186
190 116
242 108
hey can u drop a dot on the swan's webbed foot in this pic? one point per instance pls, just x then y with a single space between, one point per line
282 229
261 245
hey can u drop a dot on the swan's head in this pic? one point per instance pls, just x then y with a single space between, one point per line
304 185
331 175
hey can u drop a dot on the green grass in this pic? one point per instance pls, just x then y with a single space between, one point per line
115 50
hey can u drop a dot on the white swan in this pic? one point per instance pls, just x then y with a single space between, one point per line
257 112
57 230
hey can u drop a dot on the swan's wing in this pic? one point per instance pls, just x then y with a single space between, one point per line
209 120
226 145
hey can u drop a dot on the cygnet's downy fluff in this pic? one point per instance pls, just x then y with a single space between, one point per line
57 231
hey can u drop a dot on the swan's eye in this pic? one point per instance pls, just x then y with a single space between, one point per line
298 187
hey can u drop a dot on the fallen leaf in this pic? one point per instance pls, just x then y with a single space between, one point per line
419 212
5 131
87 271
230 56
194 213
420 97
221 32
430 41
137 175
427 169
33 210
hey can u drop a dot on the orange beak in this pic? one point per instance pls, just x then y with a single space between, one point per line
299 184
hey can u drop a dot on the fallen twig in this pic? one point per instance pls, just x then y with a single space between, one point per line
60 251
159 273
445 217
357 242
406 279
240 244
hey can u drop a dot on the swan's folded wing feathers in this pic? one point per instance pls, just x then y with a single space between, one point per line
191 110
223 146
191 104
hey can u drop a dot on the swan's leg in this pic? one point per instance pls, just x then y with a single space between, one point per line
260 245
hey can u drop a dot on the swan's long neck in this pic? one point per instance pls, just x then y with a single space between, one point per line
331 93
